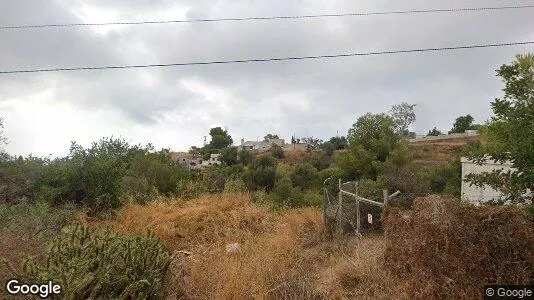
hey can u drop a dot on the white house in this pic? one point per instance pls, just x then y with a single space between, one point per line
213 160
475 194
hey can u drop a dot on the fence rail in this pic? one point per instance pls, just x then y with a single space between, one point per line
340 214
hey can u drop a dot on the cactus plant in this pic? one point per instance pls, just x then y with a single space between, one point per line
101 265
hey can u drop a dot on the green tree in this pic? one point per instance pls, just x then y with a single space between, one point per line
371 140
434 132
404 115
508 137
339 142
270 136
313 143
220 138
463 123
229 156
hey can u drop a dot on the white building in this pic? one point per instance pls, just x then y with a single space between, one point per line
213 160
475 194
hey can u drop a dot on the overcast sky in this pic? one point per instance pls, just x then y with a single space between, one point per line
175 107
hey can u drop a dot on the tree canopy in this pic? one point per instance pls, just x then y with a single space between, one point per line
371 139
434 132
463 123
220 138
270 136
509 135
404 115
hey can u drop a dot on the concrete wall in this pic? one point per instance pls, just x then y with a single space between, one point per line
476 194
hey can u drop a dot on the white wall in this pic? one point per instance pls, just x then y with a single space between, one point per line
476 194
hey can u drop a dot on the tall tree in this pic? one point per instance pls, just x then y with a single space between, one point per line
219 138
463 123
404 115
3 139
371 139
508 137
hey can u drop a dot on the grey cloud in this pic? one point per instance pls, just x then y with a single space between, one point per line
443 85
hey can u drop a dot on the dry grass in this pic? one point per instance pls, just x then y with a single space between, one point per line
283 255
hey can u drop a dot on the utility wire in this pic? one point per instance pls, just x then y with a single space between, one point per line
221 62
399 12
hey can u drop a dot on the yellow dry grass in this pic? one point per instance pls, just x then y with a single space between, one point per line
283 255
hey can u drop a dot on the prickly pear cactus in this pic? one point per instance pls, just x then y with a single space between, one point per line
102 265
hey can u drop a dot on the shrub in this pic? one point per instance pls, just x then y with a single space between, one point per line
305 176
262 173
102 264
449 249
235 186
277 151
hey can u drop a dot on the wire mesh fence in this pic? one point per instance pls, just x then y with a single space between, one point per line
345 212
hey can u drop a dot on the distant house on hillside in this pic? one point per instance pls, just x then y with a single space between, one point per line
260 146
187 160
213 160
475 194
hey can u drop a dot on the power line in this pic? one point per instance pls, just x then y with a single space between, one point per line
399 12
255 60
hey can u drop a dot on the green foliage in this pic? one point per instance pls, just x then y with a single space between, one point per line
102 264
270 136
245 157
150 174
463 123
434 132
313 143
229 156
36 220
220 138
235 186
283 191
400 173
508 137
404 115
320 160
445 179
371 140
277 151
17 178
305 176
339 142
262 173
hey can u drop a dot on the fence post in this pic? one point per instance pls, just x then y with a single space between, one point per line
339 229
358 213
386 197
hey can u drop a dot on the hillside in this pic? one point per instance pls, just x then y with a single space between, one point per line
435 151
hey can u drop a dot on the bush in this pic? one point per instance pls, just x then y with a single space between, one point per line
305 176
277 151
262 173
101 265
235 186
